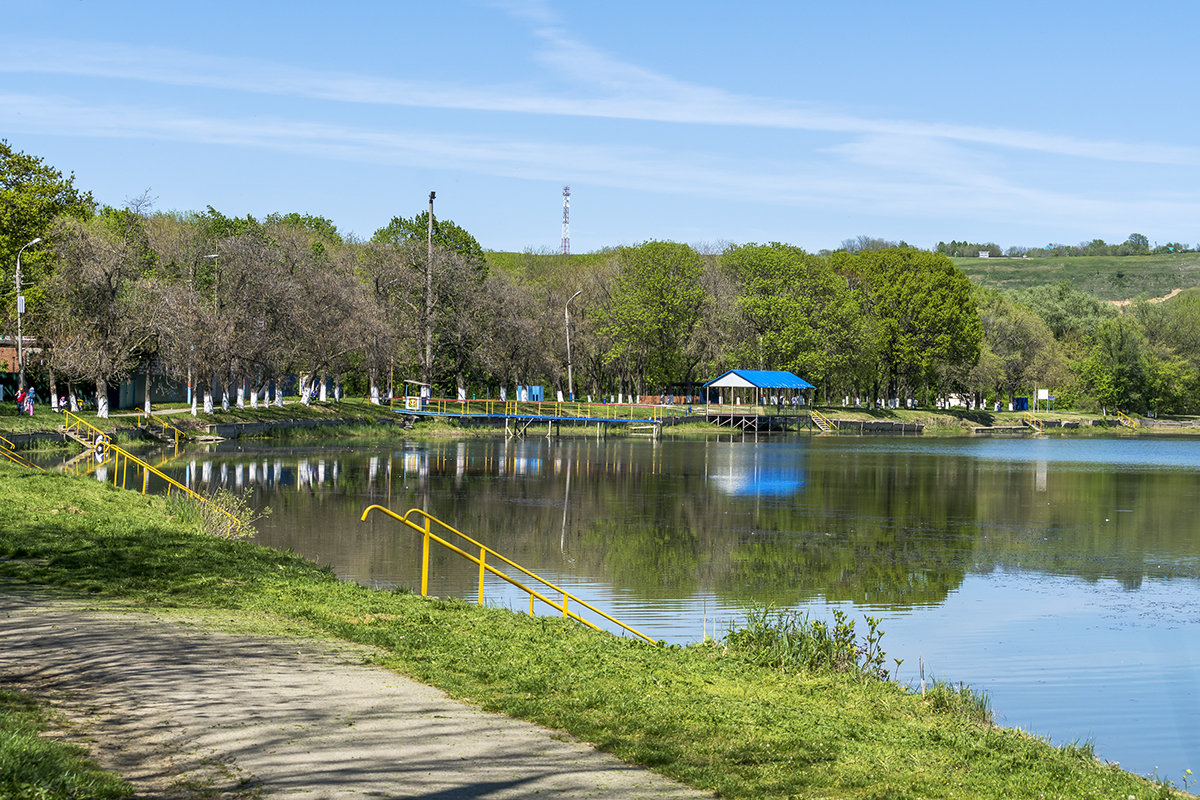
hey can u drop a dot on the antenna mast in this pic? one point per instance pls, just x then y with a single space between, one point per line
566 232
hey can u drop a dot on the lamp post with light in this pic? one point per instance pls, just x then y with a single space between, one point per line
20 311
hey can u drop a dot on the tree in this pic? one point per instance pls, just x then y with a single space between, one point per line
655 305
32 195
927 323
98 321
802 316
446 236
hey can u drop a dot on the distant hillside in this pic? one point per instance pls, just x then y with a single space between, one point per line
1106 277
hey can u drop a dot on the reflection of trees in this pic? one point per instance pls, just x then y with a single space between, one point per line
871 524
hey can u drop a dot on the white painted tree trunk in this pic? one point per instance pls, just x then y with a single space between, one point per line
337 391
224 397
73 400
323 396
208 397
279 392
374 391
241 395
101 398
305 391
254 397
146 402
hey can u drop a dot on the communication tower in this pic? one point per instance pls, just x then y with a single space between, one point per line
566 232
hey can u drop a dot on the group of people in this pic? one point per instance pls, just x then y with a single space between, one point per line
25 400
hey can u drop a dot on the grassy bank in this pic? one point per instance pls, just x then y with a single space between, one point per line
34 767
731 717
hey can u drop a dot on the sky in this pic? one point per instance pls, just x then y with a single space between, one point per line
1020 123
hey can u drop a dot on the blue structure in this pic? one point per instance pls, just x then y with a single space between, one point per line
757 381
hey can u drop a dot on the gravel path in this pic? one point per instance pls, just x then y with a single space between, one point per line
184 712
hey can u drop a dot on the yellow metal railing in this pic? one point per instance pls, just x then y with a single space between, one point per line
1029 419
167 430
542 408
82 429
122 460
823 422
424 524
9 451
1126 420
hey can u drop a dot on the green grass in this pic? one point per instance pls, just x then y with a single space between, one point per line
714 716
1106 277
33 767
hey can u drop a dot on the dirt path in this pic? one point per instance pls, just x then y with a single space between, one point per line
183 712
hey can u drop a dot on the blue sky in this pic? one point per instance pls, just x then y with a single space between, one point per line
701 122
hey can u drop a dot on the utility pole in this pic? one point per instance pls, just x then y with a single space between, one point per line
20 311
427 375
567 315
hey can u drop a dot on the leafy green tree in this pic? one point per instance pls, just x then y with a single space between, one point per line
928 325
1021 343
656 303
1115 371
446 235
800 314
32 195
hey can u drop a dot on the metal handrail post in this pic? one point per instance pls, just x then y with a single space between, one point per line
425 560
482 572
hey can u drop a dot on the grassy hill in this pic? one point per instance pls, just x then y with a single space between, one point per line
1106 277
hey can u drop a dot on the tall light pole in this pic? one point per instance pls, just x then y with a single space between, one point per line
427 373
567 316
20 311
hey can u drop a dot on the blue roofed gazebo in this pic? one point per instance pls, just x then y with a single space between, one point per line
749 386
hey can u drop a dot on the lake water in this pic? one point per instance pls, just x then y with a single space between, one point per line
1061 576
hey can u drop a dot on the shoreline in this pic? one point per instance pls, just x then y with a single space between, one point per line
697 714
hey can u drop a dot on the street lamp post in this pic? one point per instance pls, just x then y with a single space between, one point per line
20 311
567 316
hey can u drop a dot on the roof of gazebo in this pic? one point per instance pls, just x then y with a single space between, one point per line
758 379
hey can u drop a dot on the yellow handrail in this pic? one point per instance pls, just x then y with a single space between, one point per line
167 428
823 422
123 458
9 450
1126 420
425 528
1029 419
83 429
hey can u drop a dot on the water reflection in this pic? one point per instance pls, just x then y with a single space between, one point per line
1059 575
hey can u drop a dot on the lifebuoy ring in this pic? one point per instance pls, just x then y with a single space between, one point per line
101 445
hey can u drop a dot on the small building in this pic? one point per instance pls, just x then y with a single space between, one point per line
751 386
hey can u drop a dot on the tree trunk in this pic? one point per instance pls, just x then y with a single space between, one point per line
322 391
241 394
53 392
101 398
279 392
375 388
305 392
208 395
224 396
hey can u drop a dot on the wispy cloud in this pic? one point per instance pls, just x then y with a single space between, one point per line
603 87
856 182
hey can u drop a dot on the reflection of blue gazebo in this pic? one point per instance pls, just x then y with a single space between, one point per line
749 386
745 470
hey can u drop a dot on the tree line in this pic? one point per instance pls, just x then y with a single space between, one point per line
235 305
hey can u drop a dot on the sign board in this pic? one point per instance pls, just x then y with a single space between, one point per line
1043 394
412 404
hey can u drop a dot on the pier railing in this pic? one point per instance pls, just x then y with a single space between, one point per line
432 530
565 410
1126 420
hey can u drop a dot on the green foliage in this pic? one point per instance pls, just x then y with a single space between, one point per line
656 303
33 767
928 323
32 194
701 715
788 640
804 316
446 235
321 226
